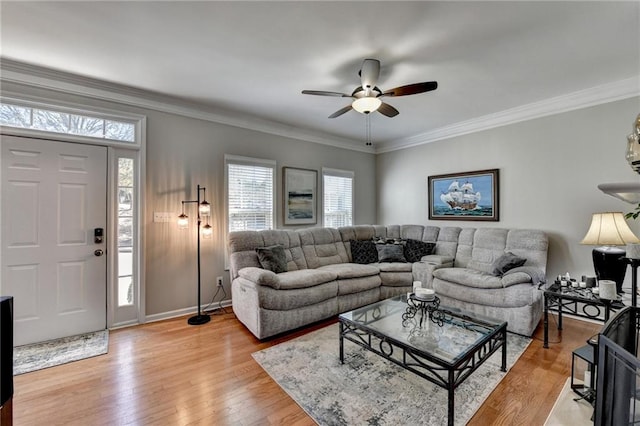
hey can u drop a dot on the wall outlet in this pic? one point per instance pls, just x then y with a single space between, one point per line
219 281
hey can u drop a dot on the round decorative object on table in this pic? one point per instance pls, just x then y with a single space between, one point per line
425 305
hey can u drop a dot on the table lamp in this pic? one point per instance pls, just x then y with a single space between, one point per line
609 230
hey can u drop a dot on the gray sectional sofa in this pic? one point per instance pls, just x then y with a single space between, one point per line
317 278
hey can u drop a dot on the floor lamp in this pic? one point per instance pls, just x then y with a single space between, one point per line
204 210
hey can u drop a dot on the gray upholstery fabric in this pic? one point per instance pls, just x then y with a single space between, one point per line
513 296
536 274
260 276
522 319
415 232
322 246
468 277
286 300
321 282
304 278
430 234
394 267
357 285
396 279
348 302
351 270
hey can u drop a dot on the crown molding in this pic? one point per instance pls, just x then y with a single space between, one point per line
41 77
598 95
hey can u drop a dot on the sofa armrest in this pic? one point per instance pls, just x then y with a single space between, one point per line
259 276
423 271
439 260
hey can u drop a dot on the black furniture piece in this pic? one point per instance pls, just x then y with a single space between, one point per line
392 330
6 360
576 301
618 371
634 279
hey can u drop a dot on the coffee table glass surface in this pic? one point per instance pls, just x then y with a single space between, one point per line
449 342
443 345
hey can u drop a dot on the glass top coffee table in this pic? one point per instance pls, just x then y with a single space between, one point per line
442 345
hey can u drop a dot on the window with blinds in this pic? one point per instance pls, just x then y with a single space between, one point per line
250 195
338 197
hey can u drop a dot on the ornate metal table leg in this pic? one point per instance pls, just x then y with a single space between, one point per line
546 322
341 343
450 402
504 350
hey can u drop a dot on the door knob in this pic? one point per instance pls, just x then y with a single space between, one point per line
98 252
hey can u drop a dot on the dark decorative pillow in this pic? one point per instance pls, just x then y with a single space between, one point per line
505 263
390 253
272 258
363 252
415 249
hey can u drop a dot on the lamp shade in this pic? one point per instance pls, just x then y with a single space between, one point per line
366 104
609 229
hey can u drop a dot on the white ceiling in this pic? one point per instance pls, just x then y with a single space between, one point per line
251 60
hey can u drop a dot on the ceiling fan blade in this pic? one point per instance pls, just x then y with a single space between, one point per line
369 73
388 110
412 89
341 111
324 93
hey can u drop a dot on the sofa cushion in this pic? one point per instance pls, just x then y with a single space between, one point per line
304 278
363 252
477 279
468 277
390 253
514 296
272 258
506 262
414 250
357 285
287 280
395 267
351 270
284 300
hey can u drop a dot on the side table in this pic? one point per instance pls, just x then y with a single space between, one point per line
576 301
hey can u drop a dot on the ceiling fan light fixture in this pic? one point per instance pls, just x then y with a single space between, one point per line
366 104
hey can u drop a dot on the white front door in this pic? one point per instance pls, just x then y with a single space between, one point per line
53 198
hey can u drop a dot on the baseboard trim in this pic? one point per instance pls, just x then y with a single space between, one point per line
186 311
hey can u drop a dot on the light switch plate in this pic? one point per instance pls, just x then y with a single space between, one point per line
162 216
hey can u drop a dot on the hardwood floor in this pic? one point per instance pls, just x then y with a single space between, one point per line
171 373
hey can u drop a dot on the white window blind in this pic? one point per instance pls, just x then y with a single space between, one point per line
250 196
338 197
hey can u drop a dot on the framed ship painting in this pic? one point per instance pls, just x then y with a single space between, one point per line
464 196
299 196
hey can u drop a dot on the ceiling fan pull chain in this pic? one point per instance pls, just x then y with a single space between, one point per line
368 128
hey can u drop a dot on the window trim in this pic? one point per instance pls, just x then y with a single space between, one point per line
326 171
249 161
138 121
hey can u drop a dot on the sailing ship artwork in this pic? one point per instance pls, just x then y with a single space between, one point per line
464 196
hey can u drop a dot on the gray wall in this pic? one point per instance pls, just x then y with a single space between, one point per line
549 172
184 152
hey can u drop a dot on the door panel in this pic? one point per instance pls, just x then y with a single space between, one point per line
53 196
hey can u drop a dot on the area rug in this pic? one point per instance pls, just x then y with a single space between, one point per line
37 356
569 412
369 390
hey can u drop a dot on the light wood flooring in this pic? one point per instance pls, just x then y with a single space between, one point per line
171 373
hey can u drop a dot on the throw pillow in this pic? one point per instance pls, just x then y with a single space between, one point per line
390 253
505 263
272 258
415 249
363 252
